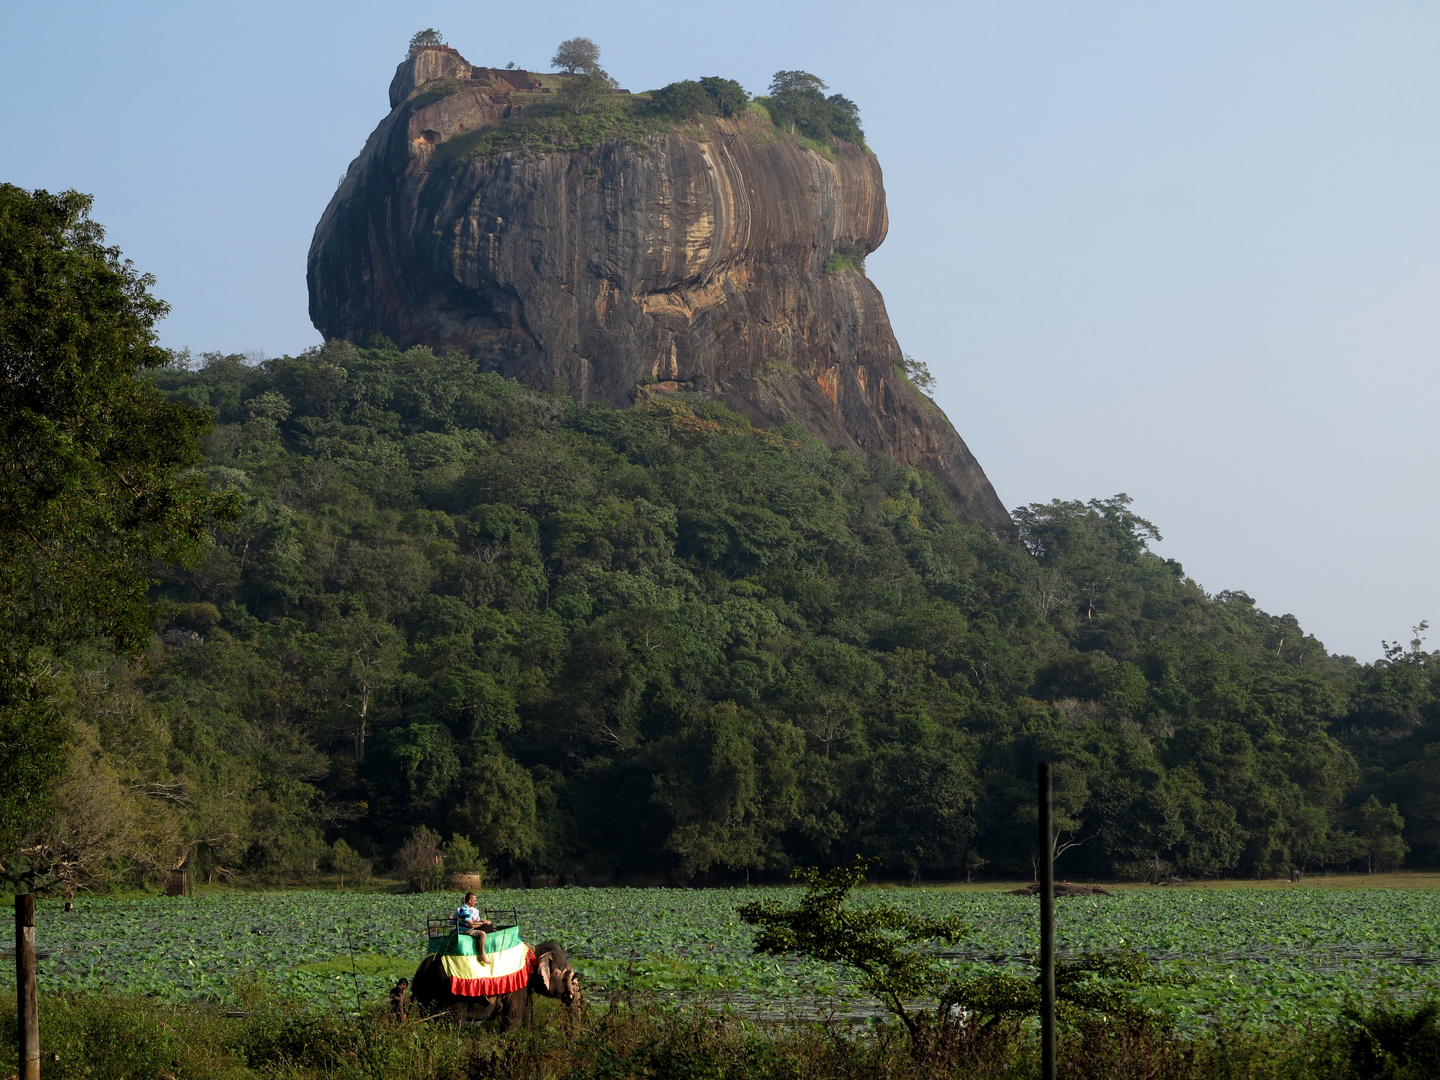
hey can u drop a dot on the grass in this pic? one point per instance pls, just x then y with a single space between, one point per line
1398 879
846 258
129 1038
825 150
547 127
435 90
1264 954
387 967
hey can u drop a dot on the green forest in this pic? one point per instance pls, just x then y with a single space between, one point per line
595 643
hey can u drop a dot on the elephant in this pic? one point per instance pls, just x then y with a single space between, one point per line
550 975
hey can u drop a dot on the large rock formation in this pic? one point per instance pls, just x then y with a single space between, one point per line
692 260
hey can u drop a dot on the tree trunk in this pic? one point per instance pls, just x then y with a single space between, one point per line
1047 926
27 1013
360 730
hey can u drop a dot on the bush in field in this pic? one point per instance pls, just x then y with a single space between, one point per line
1380 828
890 949
421 861
347 863
1394 1041
463 857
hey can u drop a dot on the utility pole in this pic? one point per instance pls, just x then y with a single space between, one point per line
27 1014
1046 840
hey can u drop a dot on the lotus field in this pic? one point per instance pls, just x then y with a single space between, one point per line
1257 957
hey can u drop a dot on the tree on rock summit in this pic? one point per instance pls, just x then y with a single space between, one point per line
429 38
577 54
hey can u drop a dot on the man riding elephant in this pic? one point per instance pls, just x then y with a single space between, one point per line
467 920
482 970
467 916
472 989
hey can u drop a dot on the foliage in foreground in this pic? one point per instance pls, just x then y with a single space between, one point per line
887 946
1094 987
894 953
116 1038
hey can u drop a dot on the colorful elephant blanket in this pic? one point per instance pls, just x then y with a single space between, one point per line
506 965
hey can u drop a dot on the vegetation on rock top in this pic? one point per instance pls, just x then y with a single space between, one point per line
586 112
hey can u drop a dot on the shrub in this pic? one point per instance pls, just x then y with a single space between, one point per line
420 861
797 102
710 96
918 374
580 93
846 256
134 1038
550 126
892 950
1392 1041
728 96
463 857
683 100
347 863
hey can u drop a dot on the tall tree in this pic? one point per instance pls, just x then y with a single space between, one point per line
577 54
95 468
429 38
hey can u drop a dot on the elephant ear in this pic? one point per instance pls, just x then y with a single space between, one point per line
545 971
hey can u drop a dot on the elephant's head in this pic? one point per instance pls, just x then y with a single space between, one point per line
554 977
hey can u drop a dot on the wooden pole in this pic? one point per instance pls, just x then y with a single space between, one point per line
1046 839
27 1014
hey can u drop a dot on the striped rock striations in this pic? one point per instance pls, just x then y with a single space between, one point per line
692 260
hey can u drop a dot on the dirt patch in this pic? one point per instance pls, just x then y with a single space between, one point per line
1062 888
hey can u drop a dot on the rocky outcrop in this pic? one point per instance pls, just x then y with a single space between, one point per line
693 260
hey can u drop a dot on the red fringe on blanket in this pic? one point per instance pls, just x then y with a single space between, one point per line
502 984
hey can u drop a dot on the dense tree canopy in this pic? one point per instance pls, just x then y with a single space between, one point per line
94 470
658 640
429 38
710 96
797 101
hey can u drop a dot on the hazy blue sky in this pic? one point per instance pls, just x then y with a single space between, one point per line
1189 252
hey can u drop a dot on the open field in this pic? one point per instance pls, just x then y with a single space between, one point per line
1259 956
1399 879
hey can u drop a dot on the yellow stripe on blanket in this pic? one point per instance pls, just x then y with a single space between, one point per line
496 966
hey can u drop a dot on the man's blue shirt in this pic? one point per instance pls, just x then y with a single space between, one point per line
463 914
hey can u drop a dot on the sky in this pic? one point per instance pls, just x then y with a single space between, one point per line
1190 252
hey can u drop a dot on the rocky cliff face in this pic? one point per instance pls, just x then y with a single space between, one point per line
686 261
